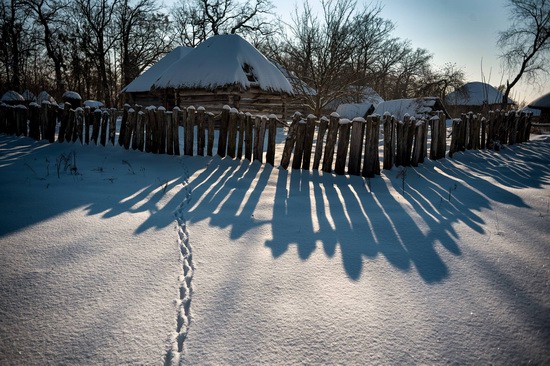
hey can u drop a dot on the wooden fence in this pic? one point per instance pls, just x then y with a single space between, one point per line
331 144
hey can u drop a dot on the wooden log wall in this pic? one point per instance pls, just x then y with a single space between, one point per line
332 144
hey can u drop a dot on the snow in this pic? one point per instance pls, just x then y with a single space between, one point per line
418 108
218 62
475 94
542 102
352 110
12 96
71 95
144 82
44 96
93 104
102 249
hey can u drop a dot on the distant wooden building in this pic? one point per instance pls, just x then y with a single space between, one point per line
474 97
543 104
139 90
225 70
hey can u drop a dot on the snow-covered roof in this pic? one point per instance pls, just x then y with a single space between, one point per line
475 94
71 95
221 61
352 110
44 96
542 102
12 96
144 82
92 104
28 96
418 108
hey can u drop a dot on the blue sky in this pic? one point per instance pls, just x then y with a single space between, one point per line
463 32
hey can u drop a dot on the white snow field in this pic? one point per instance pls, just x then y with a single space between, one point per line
132 258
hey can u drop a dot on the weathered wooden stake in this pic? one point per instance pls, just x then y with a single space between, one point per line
188 133
201 131
290 140
308 142
330 146
271 135
232 133
343 143
323 126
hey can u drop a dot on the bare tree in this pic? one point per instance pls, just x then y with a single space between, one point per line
319 52
94 29
49 15
196 20
17 42
526 44
142 28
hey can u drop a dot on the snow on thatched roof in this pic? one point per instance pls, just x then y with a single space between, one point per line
221 61
44 96
352 110
475 94
144 82
542 102
71 95
418 108
12 96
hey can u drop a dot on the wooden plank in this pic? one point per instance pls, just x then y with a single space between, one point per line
323 126
232 133
201 131
241 118
210 141
189 131
248 136
389 141
222 137
343 143
161 130
330 145
112 126
371 162
176 112
271 135
290 140
308 141
301 130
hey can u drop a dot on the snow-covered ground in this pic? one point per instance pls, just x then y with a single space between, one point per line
107 254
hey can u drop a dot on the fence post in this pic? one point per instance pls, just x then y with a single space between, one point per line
240 128
271 139
130 123
34 124
175 130
419 148
189 131
371 162
343 144
104 124
161 130
232 133
112 125
150 127
290 140
222 138
137 142
96 124
122 132
356 145
210 121
249 138
301 129
308 142
78 125
332 135
201 133
389 141
323 125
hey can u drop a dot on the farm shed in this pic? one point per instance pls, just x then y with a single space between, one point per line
225 70
418 108
474 97
139 90
542 103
